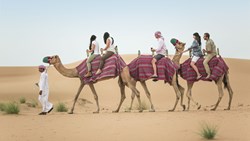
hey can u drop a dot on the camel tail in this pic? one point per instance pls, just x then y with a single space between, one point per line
226 82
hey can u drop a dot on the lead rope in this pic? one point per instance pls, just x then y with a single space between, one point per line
47 68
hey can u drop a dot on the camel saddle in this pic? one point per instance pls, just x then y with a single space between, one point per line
217 66
141 68
112 68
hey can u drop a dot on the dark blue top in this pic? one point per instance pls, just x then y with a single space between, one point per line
196 49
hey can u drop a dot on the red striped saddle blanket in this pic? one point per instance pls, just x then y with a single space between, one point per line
217 66
112 68
141 68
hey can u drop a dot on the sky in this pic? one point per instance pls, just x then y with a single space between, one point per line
33 29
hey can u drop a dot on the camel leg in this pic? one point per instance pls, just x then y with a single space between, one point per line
221 93
131 85
182 90
189 100
144 85
76 97
131 103
230 91
95 96
122 89
177 92
189 95
126 78
132 100
137 93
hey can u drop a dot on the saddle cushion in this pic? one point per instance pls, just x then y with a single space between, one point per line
141 68
217 66
112 68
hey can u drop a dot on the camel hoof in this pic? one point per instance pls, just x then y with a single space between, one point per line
116 111
140 111
70 112
199 107
96 112
171 110
213 109
152 110
227 109
184 107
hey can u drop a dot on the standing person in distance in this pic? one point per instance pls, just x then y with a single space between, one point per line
44 91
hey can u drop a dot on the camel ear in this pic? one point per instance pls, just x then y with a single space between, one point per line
56 56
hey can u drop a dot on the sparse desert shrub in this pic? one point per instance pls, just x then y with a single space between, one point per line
2 106
22 100
12 108
61 107
208 131
32 103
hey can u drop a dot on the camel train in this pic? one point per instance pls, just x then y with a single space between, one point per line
130 74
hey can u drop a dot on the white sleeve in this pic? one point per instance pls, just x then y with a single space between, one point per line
160 45
42 82
93 43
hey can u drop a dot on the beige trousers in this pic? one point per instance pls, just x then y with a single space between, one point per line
205 63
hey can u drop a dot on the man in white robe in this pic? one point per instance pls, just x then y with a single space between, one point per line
44 91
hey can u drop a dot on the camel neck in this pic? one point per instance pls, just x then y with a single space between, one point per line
179 48
176 58
64 71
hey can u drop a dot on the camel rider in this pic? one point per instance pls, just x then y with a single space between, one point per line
44 91
94 51
211 52
110 50
196 53
160 52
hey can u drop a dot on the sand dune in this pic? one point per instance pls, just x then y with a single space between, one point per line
16 82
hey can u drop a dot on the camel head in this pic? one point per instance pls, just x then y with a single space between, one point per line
52 59
179 46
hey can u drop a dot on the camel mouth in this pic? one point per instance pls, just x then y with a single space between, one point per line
47 59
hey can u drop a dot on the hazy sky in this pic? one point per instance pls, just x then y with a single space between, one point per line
32 29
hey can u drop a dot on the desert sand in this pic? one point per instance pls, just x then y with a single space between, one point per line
17 82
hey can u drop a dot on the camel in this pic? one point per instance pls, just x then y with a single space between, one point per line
179 90
224 78
124 80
